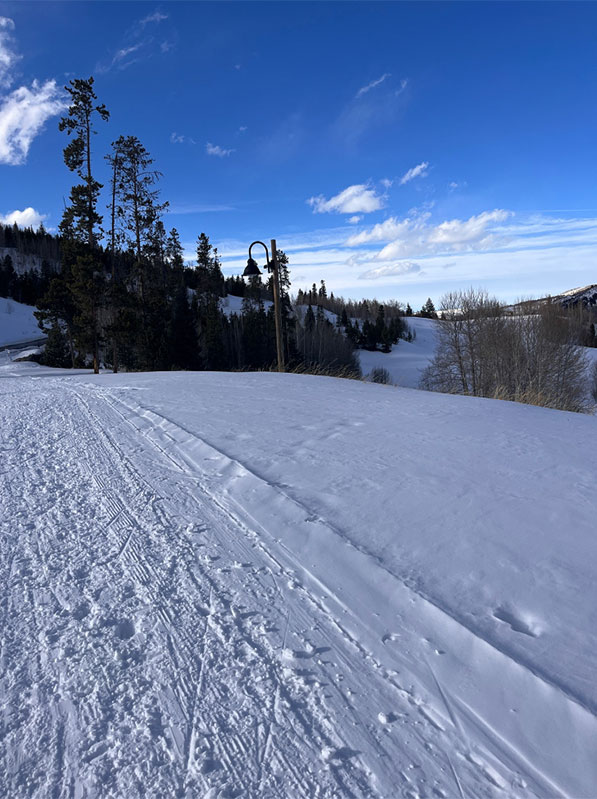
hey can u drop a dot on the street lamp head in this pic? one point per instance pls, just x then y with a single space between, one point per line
251 269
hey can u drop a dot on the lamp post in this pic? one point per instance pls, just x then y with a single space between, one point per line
251 270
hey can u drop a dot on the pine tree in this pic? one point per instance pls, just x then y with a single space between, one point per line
56 348
81 220
81 224
428 310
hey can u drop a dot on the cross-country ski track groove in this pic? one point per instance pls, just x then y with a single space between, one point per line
161 639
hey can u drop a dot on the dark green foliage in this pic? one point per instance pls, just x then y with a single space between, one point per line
56 350
428 310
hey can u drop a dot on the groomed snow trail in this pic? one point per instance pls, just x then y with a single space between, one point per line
157 639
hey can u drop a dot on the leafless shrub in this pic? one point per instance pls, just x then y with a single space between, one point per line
380 375
529 358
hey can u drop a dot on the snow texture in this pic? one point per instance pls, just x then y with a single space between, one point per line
263 585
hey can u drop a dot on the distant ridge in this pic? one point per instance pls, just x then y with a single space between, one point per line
585 295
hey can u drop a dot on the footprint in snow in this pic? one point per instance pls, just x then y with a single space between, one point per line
517 622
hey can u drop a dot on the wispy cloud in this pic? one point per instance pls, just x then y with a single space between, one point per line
391 270
138 44
198 208
8 55
357 199
368 109
28 217
242 129
418 171
354 220
219 152
364 89
156 17
180 138
401 88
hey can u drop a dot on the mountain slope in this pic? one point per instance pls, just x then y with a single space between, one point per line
17 322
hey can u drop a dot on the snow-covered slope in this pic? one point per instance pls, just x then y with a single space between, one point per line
407 360
17 322
271 585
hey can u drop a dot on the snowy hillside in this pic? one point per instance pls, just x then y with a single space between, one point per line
17 322
407 360
265 585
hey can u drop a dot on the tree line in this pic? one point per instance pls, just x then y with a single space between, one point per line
124 297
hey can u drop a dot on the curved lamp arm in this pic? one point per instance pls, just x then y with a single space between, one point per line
266 251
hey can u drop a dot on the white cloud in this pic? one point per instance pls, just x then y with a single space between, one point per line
458 231
403 85
413 236
364 89
8 56
354 220
215 149
242 129
157 16
357 199
138 44
387 183
28 217
389 229
121 58
180 138
391 270
23 114
418 171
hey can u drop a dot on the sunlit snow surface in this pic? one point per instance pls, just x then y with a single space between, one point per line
263 585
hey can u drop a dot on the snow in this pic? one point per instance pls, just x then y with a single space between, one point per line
234 305
17 322
408 359
283 585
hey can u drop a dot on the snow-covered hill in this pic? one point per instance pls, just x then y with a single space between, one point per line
407 360
271 585
17 322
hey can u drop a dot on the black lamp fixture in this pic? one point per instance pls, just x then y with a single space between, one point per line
251 269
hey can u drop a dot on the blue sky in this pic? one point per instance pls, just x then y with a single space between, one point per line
396 150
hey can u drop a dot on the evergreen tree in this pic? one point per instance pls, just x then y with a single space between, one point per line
80 225
428 310
81 220
56 348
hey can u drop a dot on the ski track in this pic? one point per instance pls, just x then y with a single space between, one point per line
154 643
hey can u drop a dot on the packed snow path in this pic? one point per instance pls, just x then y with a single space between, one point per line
167 629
